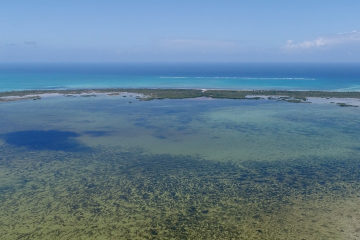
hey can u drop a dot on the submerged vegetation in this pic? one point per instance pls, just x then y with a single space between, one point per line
109 193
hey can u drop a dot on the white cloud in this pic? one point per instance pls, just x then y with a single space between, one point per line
336 39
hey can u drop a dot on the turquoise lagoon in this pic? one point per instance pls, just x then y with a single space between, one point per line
113 167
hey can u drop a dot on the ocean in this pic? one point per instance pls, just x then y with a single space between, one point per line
279 76
114 167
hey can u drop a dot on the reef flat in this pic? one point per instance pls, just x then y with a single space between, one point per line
111 193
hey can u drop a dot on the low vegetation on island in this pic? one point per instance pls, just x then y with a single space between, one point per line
152 94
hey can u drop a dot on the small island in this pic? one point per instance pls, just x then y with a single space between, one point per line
148 94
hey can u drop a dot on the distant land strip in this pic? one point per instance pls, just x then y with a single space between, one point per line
152 94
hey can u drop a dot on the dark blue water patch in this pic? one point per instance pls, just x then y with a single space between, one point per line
346 123
245 127
98 133
45 140
173 111
181 128
306 132
145 125
85 121
160 136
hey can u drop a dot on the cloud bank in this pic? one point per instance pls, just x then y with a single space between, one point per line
330 40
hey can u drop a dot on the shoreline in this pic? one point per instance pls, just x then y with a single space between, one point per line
343 99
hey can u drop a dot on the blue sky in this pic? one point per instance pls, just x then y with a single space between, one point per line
180 31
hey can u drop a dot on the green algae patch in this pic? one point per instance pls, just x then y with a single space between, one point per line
346 105
129 194
293 100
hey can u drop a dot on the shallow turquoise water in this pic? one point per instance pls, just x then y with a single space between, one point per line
105 168
288 76
216 129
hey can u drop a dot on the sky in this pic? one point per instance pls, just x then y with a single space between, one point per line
180 31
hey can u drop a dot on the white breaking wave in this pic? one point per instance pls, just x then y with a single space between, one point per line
244 78
350 89
173 77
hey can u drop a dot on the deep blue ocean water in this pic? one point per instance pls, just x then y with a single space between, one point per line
290 76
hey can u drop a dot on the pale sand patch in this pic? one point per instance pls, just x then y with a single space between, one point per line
28 97
265 96
51 95
33 95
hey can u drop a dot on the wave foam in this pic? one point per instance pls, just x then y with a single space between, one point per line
242 78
